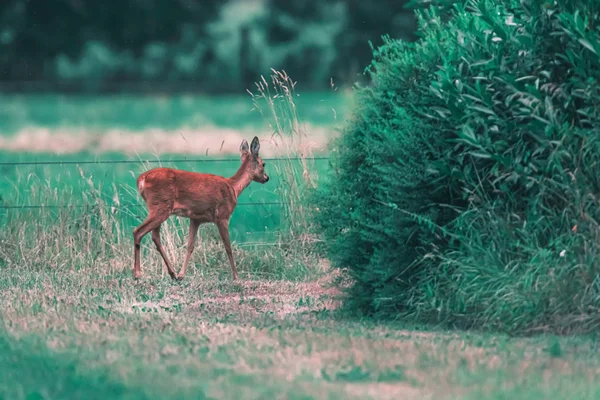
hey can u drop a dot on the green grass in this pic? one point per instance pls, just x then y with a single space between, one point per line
148 112
114 185
104 208
98 334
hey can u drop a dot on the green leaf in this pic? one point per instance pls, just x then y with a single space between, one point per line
482 109
585 43
480 155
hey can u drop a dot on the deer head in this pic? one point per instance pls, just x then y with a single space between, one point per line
255 164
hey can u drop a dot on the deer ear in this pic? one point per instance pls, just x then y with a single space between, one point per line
255 146
244 146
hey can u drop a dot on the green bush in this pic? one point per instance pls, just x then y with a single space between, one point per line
465 189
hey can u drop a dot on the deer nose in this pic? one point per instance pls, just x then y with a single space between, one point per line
266 178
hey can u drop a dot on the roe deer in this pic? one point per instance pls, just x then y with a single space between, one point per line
200 197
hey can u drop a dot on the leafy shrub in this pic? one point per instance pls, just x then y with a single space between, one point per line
465 190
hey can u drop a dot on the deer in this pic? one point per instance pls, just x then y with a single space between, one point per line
200 197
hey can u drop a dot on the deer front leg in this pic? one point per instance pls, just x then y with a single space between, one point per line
194 225
223 226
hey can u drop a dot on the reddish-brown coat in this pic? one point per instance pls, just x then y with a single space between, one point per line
203 197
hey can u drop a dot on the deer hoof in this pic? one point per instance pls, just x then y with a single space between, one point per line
137 275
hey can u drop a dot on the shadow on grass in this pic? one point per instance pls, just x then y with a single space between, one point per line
30 371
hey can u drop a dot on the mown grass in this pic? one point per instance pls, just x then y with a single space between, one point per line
97 334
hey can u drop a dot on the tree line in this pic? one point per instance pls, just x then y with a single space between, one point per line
217 44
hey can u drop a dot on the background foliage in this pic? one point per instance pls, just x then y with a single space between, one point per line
466 186
216 45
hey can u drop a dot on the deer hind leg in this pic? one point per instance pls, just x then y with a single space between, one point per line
152 222
223 226
194 225
163 254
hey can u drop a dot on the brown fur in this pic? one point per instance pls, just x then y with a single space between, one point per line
200 197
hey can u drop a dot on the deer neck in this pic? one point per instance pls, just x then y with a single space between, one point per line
242 178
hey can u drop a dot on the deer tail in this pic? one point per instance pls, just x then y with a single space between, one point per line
141 183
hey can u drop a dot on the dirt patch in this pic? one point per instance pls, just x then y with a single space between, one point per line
387 391
278 299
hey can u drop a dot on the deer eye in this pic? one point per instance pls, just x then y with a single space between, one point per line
264 164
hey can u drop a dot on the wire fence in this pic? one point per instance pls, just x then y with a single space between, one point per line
194 160
129 207
93 205
22 207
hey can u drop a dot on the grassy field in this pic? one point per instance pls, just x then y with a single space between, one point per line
113 186
198 125
206 130
137 113
74 324
97 334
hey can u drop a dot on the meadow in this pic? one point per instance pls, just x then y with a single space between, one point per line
78 150
97 334
76 325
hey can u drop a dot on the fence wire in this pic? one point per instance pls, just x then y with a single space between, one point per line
192 160
125 207
84 162
60 206
39 207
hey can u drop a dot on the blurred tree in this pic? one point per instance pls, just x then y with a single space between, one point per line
351 23
301 37
34 32
368 22
217 42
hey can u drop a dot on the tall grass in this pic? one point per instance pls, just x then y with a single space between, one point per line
276 101
93 231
